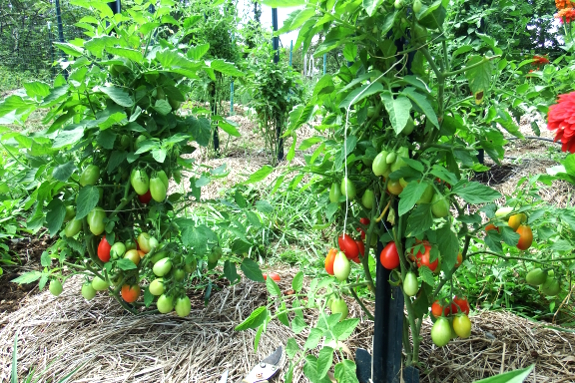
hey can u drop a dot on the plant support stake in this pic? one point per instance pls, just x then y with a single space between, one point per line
276 46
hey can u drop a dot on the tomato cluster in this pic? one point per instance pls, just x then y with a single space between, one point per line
517 222
451 320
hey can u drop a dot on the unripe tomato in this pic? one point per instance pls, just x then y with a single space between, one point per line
398 4
139 140
130 293
459 260
191 267
403 183
133 256
179 275
131 244
379 166
536 277
88 291
348 188
341 266
183 306
516 220
462 326
439 206
427 195
162 267
368 199
140 181
215 255
550 287
329 261
145 242
394 187
118 250
436 309
410 286
348 246
525 237
391 157
441 332
164 177
423 259
158 189
70 213
274 276
389 256
99 284
96 220
334 193
165 304
90 175
409 126
55 287
158 256
417 6
145 198
104 250
72 228
338 305
419 33
491 227
503 211
157 286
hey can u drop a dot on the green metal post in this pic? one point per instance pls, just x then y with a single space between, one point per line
324 62
290 52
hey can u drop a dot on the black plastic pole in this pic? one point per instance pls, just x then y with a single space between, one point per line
116 6
60 32
276 46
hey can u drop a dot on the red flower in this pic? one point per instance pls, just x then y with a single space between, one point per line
565 15
540 60
561 117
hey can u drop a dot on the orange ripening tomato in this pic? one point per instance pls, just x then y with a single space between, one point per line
516 220
491 227
329 261
423 258
459 260
141 254
130 293
274 276
436 309
525 237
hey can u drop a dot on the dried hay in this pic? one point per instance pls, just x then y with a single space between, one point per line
108 345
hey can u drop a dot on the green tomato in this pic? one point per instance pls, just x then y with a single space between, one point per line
160 94
368 199
334 193
179 275
96 220
88 292
157 287
419 33
409 126
427 195
503 211
417 6
141 138
55 287
162 175
410 286
73 227
341 266
99 284
379 165
439 206
390 159
165 304
70 213
441 332
147 242
124 141
347 188
162 267
398 4
118 250
158 189
550 287
338 305
183 306
215 254
130 244
158 256
140 181
536 277
90 175
191 267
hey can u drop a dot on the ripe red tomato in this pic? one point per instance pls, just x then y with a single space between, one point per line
348 246
361 232
462 303
436 309
130 293
491 227
329 261
360 247
364 221
104 250
389 257
145 198
525 237
423 258
274 276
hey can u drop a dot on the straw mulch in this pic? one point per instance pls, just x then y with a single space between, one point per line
110 346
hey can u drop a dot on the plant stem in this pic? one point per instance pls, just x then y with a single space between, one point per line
365 309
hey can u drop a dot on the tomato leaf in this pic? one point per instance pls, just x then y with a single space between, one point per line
256 318
313 339
398 110
282 315
118 95
509 235
370 7
230 271
297 282
292 348
298 324
345 372
260 174
87 200
125 264
516 376
474 192
29 277
55 216
324 361
419 220
252 270
272 287
148 297
360 93
426 275
343 329
410 195
448 246
64 171
493 241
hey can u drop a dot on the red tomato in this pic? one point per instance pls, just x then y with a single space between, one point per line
462 303
360 247
145 198
459 260
423 258
356 260
130 293
364 221
491 227
389 257
525 237
274 276
436 309
104 250
348 246
362 232
329 261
